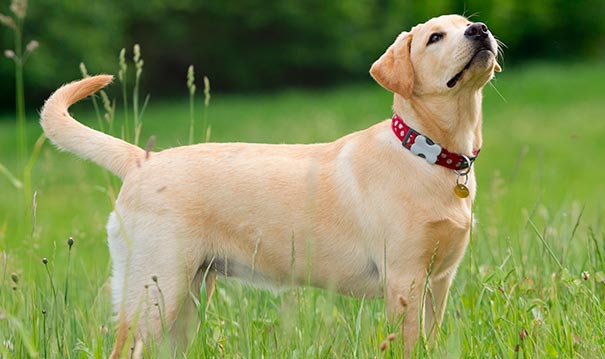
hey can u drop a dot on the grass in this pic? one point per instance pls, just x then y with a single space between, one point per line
531 285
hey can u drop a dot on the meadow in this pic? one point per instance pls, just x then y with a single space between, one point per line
531 285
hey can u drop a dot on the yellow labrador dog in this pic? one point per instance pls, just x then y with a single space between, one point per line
381 212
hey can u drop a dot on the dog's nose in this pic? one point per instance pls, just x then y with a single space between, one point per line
476 31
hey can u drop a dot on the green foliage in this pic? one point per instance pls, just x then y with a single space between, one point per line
19 55
244 45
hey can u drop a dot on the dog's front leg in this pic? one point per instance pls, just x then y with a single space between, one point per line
404 303
436 294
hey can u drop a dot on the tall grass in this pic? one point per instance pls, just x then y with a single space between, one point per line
531 285
15 23
25 206
192 88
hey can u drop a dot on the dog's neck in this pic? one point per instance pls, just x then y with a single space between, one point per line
454 125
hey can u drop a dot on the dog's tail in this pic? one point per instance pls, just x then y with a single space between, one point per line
68 134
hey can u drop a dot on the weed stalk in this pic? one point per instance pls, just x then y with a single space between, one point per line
44 332
19 95
70 243
19 56
123 80
206 104
138 64
191 87
50 277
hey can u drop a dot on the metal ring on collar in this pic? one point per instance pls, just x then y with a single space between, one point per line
465 171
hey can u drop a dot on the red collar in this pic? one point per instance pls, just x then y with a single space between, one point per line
432 152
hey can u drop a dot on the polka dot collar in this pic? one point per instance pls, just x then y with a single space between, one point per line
424 147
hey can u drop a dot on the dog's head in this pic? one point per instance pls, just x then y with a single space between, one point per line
444 54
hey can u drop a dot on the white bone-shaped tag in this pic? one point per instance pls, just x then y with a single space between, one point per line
426 149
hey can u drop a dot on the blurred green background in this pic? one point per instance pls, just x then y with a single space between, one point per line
251 45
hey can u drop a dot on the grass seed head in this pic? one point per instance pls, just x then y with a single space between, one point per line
191 80
83 70
585 275
523 334
45 261
14 278
123 65
32 46
19 8
70 242
10 54
137 53
385 344
206 91
8 21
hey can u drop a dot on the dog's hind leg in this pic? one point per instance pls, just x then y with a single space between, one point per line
151 279
121 337
193 310
118 248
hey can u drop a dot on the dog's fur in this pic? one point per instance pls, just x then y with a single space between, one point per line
361 215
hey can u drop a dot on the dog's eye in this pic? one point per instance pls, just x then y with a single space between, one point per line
435 37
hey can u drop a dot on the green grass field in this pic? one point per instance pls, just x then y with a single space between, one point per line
519 293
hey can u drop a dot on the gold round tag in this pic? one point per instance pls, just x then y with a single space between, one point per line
461 190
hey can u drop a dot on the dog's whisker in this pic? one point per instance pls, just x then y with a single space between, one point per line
493 86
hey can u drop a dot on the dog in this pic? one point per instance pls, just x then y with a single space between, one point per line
383 212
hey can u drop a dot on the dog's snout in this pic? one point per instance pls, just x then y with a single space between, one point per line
476 31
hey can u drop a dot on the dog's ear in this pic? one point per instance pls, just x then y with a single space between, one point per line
394 70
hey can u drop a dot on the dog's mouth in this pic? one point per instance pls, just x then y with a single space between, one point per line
454 80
